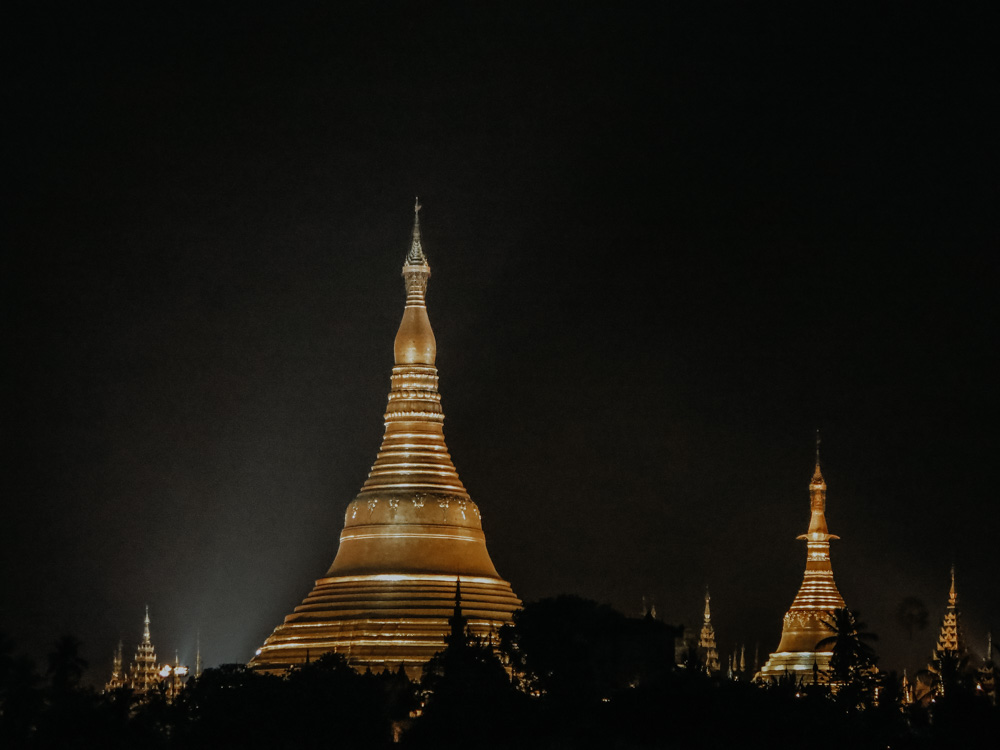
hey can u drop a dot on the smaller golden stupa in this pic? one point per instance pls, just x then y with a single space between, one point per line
805 623
707 650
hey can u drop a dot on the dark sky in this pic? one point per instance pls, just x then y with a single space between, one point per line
666 245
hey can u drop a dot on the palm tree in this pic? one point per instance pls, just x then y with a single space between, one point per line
66 666
852 656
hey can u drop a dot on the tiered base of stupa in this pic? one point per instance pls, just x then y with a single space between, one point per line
806 667
381 622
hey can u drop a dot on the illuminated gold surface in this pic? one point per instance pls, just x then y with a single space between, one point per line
706 641
950 639
818 596
144 675
409 534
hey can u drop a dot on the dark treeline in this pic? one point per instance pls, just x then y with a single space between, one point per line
584 675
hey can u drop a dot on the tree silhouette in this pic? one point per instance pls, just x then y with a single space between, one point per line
912 614
852 656
573 649
66 665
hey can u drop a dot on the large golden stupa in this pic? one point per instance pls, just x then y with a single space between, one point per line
805 623
409 536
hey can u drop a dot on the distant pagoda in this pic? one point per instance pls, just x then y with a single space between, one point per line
805 624
950 648
988 672
118 676
409 535
144 675
950 641
708 653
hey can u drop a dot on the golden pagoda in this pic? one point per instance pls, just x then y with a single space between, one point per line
805 623
950 649
950 641
410 534
707 650
117 680
144 675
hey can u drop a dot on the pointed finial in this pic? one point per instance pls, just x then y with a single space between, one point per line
951 593
416 224
817 477
416 255
414 342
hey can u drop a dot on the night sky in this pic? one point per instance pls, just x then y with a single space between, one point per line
667 246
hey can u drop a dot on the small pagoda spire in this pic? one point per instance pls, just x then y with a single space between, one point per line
117 672
907 690
144 673
458 635
950 641
707 649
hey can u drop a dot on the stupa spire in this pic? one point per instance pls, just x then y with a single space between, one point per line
410 531
144 673
950 641
707 648
415 343
117 670
805 622
818 531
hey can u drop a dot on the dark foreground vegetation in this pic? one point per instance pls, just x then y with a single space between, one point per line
584 676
